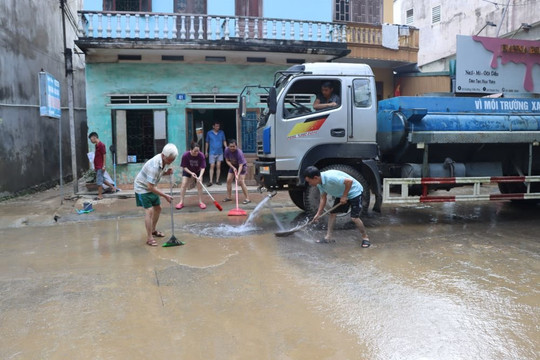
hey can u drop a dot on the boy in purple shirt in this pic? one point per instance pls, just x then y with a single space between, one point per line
193 165
234 157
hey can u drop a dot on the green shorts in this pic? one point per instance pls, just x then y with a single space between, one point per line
147 200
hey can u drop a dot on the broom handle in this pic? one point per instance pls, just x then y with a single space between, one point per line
236 186
205 189
172 219
326 212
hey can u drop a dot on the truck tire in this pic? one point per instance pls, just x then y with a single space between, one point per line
312 195
297 197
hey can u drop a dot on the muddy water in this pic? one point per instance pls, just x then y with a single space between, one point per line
439 282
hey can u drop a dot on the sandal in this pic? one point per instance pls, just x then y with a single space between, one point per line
365 243
202 206
158 234
246 202
227 199
325 241
179 206
151 242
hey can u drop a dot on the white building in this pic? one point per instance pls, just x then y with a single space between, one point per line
440 21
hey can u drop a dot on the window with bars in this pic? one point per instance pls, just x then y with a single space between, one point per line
139 134
342 10
436 14
214 98
127 5
138 99
409 16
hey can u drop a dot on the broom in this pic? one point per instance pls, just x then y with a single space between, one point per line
284 233
237 211
218 206
173 241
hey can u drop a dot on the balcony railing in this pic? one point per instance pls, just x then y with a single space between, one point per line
186 27
367 34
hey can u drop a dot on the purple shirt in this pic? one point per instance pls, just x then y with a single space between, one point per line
236 158
193 163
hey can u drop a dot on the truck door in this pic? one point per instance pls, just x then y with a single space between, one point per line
362 110
302 125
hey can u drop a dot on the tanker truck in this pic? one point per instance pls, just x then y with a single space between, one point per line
402 149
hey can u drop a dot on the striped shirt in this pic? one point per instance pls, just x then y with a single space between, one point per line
151 173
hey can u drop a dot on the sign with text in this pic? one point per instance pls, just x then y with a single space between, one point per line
495 65
49 96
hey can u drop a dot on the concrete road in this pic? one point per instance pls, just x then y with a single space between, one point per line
444 281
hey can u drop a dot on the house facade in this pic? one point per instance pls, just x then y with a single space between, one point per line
29 143
164 71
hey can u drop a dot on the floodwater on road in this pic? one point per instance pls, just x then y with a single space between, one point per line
444 281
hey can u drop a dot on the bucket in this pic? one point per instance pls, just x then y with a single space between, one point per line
87 206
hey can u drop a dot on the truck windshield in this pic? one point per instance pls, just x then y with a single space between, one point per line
281 82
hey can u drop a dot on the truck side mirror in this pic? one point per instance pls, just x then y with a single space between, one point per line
243 106
272 101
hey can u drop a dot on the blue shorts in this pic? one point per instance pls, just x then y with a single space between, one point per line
213 158
99 177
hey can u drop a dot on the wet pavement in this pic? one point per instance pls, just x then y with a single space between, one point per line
443 281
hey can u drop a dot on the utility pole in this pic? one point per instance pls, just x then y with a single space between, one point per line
68 60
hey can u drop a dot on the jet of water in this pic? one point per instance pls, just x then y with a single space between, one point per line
279 224
255 212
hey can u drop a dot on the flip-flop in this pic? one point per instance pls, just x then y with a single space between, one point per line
246 202
202 206
179 206
365 243
151 242
227 199
158 234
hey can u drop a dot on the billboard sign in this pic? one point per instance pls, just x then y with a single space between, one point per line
49 96
496 65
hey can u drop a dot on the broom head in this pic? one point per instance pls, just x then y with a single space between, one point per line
237 212
173 241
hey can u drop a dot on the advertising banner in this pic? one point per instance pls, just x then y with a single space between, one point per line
49 96
496 65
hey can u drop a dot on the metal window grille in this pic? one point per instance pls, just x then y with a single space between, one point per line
138 99
410 16
214 98
436 14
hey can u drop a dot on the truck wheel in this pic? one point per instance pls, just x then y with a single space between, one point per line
297 197
312 195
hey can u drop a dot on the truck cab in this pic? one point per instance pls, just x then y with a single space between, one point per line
319 114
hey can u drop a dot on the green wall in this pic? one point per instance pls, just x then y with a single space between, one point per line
103 79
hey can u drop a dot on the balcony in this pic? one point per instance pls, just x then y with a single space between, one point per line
131 36
366 44
105 33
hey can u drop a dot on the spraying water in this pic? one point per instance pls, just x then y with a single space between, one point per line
279 224
255 212
226 230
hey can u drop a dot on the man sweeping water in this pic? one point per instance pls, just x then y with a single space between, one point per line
147 193
348 193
